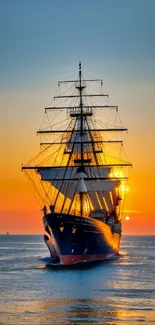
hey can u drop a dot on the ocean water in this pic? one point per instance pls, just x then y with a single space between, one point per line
116 292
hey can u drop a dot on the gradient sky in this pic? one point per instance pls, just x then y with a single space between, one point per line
41 43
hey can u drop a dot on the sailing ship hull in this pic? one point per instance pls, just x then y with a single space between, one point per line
73 239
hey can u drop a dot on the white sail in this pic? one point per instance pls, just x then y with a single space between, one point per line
102 201
56 173
107 199
100 185
81 187
69 187
94 200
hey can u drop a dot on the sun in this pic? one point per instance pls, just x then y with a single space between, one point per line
127 218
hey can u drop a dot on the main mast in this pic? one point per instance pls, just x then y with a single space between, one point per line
80 88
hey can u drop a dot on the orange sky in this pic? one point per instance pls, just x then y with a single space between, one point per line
19 210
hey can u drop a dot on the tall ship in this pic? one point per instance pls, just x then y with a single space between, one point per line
80 174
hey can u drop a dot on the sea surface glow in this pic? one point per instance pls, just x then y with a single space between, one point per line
116 292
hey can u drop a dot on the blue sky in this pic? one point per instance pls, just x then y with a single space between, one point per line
42 39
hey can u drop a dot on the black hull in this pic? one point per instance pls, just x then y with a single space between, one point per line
74 239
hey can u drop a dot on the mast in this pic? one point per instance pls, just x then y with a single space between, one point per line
80 88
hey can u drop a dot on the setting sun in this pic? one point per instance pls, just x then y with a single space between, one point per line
127 218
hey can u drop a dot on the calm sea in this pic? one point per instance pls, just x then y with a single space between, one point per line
117 292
